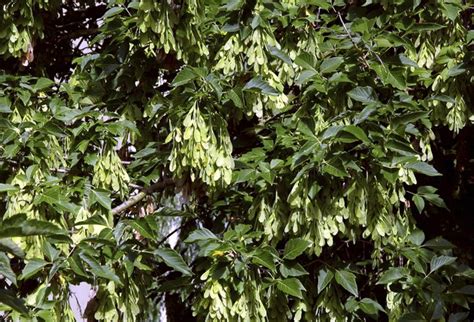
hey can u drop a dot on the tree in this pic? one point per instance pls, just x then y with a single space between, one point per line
293 147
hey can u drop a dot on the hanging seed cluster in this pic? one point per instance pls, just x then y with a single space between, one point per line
200 150
109 173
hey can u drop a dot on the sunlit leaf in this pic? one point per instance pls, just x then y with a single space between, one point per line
5 268
10 299
32 267
440 261
100 270
291 286
348 281
200 234
173 260
364 94
324 278
423 168
262 85
391 275
295 247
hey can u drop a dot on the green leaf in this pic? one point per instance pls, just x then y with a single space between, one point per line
55 198
8 246
370 306
308 148
184 76
5 268
419 203
304 76
42 83
336 169
466 289
291 286
33 266
330 64
276 164
351 304
391 275
412 317
243 175
470 36
96 219
439 261
233 5
426 190
306 61
112 12
414 255
331 132
357 132
214 81
394 76
38 227
324 278
348 281
451 11
235 95
200 234
10 299
407 61
364 114
439 243
143 228
5 104
458 317
265 258
279 54
30 228
423 167
304 129
409 118
295 247
259 83
173 260
417 237
363 94
7 187
456 70
76 265
435 199
400 147
100 270
324 4
420 27
292 269
102 197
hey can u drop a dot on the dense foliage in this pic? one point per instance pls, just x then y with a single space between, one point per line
293 146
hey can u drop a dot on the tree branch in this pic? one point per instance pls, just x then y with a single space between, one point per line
142 194
74 16
79 33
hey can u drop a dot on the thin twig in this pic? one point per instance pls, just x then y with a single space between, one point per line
171 233
355 44
59 170
142 194
135 186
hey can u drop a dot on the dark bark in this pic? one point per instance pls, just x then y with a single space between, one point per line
176 310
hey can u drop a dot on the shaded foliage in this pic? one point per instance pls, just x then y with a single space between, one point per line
313 156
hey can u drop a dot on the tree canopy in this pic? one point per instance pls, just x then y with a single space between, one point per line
313 158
